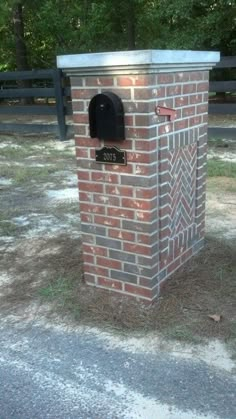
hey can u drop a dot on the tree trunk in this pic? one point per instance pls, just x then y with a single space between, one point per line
130 25
20 48
21 52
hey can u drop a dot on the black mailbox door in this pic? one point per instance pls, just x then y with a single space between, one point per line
106 117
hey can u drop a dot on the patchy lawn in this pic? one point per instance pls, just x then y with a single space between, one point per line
40 252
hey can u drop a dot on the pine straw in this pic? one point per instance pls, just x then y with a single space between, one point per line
206 285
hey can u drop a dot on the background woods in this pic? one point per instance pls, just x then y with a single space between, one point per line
33 32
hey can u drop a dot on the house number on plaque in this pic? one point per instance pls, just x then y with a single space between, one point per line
111 155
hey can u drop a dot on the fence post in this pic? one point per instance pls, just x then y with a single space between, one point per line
57 78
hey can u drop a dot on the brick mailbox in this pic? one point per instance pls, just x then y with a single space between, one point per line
140 120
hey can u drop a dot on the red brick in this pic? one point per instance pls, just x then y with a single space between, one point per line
179 125
142 120
107 221
137 248
163 142
163 166
196 120
125 144
161 92
203 87
139 291
189 88
145 216
80 118
113 201
123 93
174 90
120 213
94 250
83 93
89 279
165 129
83 175
105 177
122 235
96 270
119 190
202 108
164 233
109 283
91 187
143 193
83 196
138 133
129 121
109 263
139 157
80 129
196 75
86 218
143 238
144 170
181 101
188 111
186 255
174 265
78 105
137 204
150 145
195 99
116 168
141 80
99 81
182 77
93 208
81 152
86 142
165 78
142 94
164 211
88 258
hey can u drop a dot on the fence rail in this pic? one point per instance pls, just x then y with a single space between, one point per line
59 92
56 87
222 100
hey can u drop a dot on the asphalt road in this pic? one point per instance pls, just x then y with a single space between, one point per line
46 373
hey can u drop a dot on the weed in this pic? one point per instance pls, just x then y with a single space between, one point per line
217 167
26 174
11 152
62 292
182 333
8 228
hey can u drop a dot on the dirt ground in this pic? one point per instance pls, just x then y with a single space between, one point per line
40 252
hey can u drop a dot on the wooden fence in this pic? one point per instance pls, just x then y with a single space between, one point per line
222 99
11 95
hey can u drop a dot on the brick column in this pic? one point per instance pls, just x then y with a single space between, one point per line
141 221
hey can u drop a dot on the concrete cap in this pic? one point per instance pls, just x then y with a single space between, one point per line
132 62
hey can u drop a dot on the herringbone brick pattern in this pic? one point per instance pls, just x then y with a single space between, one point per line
182 167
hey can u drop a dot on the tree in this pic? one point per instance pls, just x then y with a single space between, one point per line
20 44
43 29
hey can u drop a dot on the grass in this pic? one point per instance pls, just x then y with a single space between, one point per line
219 168
61 291
26 174
182 333
8 228
12 152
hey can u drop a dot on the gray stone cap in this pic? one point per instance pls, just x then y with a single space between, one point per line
136 62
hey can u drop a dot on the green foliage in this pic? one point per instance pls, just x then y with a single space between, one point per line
71 26
217 167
